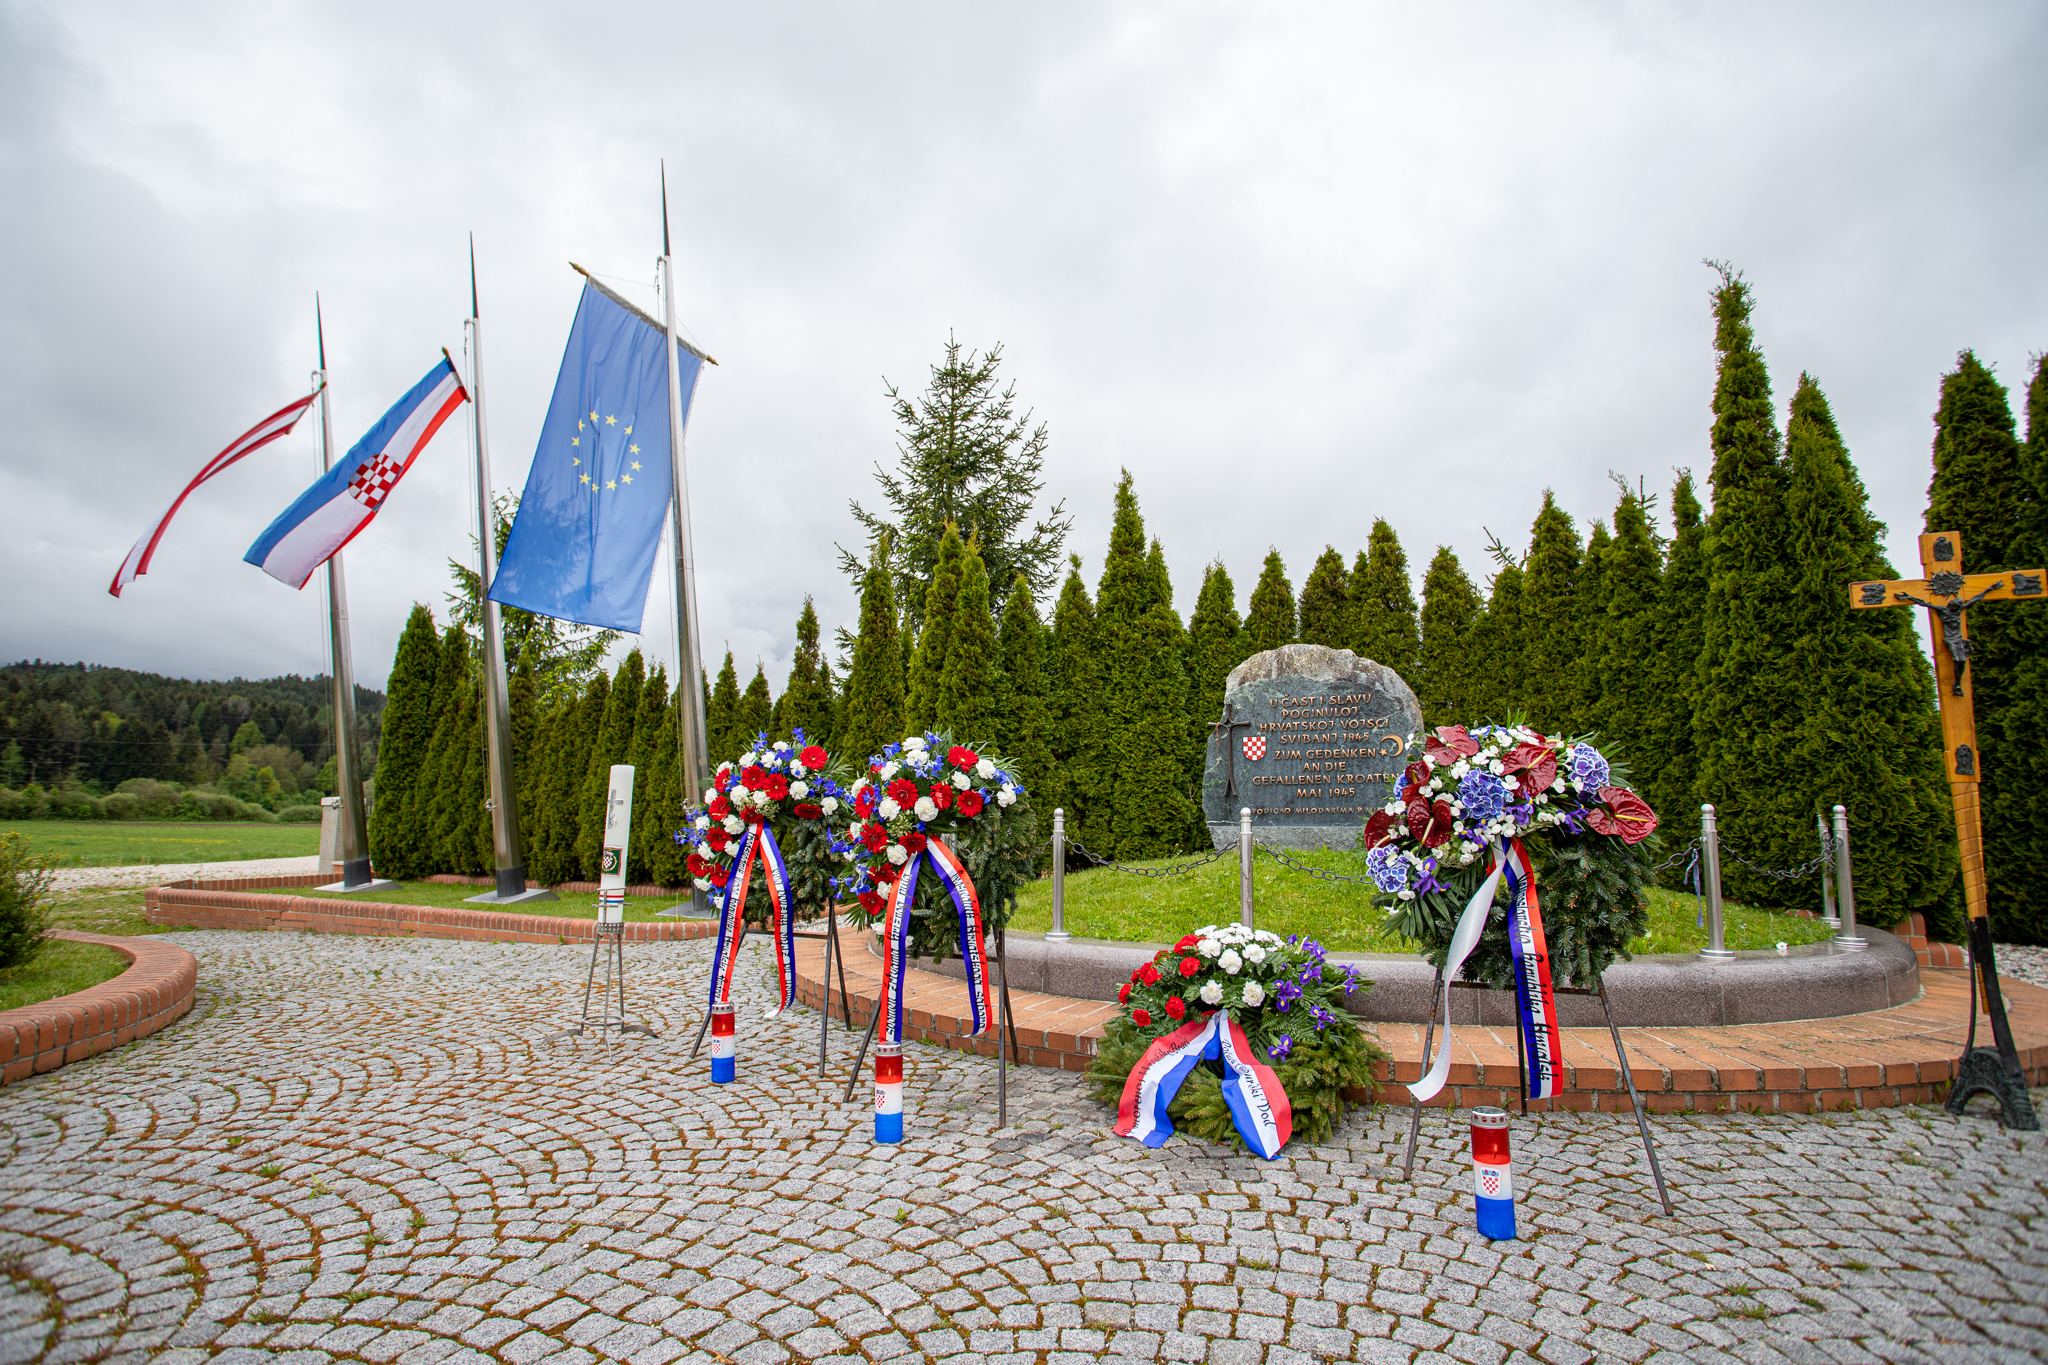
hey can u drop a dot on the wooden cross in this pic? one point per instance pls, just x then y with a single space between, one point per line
1221 729
1948 594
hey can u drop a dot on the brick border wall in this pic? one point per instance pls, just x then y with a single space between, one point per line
253 903
155 990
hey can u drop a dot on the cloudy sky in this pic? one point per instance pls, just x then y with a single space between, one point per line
1296 266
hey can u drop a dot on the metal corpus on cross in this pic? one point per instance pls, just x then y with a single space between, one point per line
1222 729
1948 593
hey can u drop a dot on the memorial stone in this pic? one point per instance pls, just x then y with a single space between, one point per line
1311 738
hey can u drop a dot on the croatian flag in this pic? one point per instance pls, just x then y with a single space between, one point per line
343 501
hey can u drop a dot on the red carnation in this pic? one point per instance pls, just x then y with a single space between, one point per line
1627 815
1186 943
970 804
1449 744
777 787
808 810
874 838
913 844
942 795
961 757
903 792
1174 1008
1143 1018
814 757
871 902
1123 995
1190 965
1378 829
1149 974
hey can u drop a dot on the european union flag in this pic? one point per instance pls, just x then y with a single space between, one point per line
583 545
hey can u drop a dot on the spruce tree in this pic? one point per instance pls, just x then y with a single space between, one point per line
573 733
1326 616
1146 691
470 850
1024 729
1617 695
424 806
1451 612
756 711
970 701
722 716
937 632
1667 764
1984 487
661 857
1870 737
1590 602
1270 622
614 739
655 811
1387 630
874 683
806 700
1748 716
1550 623
408 728
1075 676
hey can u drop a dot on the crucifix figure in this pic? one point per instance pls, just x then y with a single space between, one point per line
1989 1070
1222 729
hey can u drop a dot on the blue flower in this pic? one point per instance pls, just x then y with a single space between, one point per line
1388 868
1484 796
1587 767
1286 994
1280 1049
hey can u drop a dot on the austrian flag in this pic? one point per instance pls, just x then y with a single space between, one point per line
349 495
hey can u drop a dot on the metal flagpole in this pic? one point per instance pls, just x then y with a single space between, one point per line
509 852
693 767
348 774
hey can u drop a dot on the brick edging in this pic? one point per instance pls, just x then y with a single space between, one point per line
240 904
155 990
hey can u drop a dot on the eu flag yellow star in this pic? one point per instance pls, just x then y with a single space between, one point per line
611 421
636 463
611 483
625 478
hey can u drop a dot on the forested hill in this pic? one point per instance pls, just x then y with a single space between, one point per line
102 726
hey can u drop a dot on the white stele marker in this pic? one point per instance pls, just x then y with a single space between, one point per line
618 827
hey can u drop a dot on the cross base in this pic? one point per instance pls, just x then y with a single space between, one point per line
1983 1072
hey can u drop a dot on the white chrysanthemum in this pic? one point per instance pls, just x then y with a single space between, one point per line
1254 995
1255 954
888 810
781 744
913 741
796 768
703 884
1205 931
799 789
1407 895
962 781
710 795
1007 796
763 800
924 809
890 769
897 855
853 830
735 825
1212 993
703 850
1209 947
749 759
829 804
1268 936
703 822
985 769
1230 962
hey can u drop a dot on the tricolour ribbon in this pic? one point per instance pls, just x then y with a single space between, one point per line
1536 1002
756 845
1251 1089
896 938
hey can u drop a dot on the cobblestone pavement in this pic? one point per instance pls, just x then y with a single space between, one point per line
2024 961
360 1149
156 874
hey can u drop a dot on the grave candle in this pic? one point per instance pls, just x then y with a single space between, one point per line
1493 1174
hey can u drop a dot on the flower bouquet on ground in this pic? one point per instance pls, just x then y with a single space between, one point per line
1238 1036
1549 821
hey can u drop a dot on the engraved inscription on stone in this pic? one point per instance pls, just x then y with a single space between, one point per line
1331 731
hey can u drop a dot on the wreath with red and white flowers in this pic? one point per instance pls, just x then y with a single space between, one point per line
792 788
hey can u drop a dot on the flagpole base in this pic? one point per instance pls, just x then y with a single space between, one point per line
538 893
374 884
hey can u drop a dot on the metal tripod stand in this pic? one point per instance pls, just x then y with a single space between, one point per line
613 983
1006 1024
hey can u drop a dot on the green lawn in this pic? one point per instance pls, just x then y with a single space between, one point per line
571 905
120 843
61 968
1104 903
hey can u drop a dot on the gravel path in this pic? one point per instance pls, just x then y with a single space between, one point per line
74 878
363 1150
2025 962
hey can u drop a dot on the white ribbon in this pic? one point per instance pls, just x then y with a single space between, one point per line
1471 925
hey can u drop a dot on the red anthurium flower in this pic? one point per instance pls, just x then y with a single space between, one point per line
1627 815
814 757
1449 744
1429 824
1378 829
913 844
903 792
970 804
1416 774
1142 1018
1536 764
1123 995
1190 965
942 795
1174 1008
1149 974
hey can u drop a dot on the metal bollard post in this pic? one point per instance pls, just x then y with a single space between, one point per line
1827 876
1717 937
1244 866
1845 887
1059 876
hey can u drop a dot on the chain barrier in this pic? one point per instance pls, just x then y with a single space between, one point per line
1691 851
1285 859
1792 874
1175 870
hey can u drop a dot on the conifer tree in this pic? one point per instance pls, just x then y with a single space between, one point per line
1146 692
1387 631
423 812
655 811
756 711
1451 612
2019 914
970 701
614 739
1667 763
1326 614
1870 737
1617 695
937 632
1270 622
1747 718
806 700
1498 660
1214 646
408 729
1024 727
662 858
874 683
522 696
470 851
1075 676
1984 487
1550 623
573 733
1590 602
722 715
